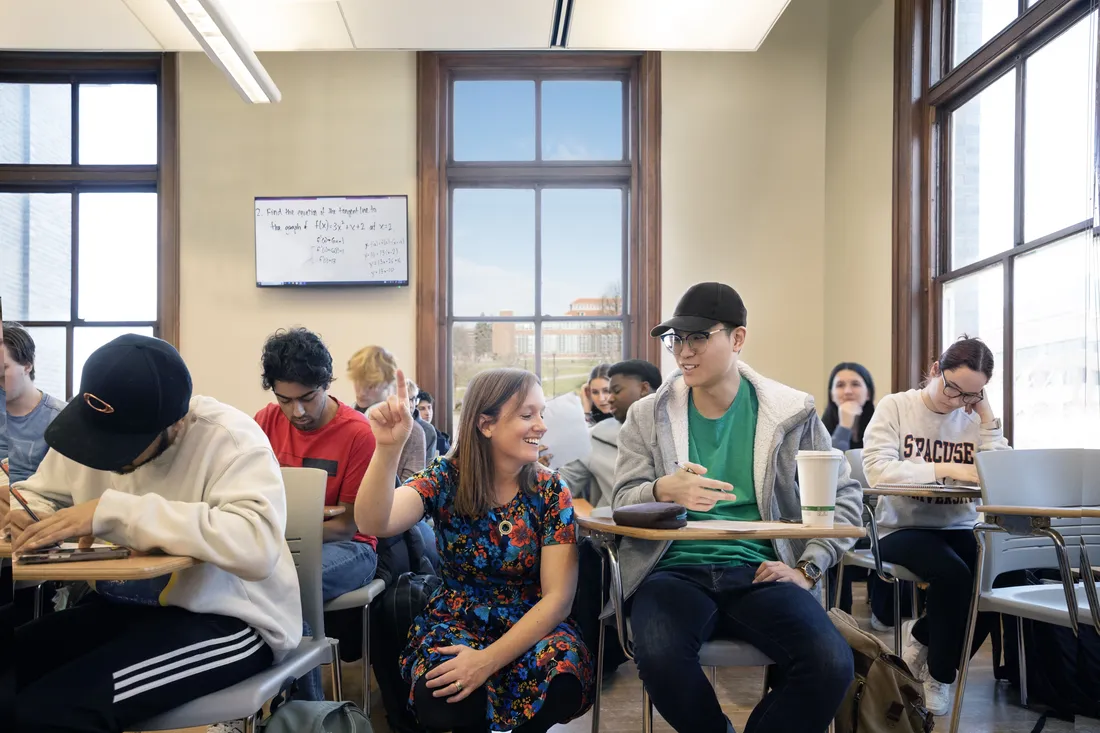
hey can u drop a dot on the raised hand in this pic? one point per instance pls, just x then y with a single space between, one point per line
690 489
392 420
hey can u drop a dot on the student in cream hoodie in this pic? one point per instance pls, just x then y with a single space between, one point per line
136 460
924 436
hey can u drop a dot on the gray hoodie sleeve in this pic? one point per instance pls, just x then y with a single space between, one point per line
578 478
635 467
849 501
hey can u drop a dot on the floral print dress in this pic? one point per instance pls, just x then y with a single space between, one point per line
490 580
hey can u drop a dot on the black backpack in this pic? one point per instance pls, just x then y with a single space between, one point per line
1063 671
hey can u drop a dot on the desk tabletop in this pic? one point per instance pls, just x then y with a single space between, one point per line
135 567
1054 512
582 507
719 529
931 491
1091 511
334 511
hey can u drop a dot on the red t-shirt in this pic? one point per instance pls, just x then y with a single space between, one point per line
342 449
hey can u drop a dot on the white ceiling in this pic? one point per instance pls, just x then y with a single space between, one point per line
301 25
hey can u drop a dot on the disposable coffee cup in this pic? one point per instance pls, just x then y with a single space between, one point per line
817 473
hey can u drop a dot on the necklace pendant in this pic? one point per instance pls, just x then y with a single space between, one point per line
505 527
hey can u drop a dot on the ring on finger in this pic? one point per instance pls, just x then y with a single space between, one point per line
458 686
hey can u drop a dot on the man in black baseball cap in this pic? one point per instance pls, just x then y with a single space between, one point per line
138 461
721 440
132 391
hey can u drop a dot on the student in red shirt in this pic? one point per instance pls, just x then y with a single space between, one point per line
309 427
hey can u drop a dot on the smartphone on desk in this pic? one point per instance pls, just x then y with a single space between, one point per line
74 554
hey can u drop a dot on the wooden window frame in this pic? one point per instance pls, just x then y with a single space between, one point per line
641 291
73 178
926 90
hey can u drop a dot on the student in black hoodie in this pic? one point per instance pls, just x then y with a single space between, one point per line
851 404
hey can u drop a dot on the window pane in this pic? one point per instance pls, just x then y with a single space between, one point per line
977 21
974 306
582 251
36 123
982 173
1059 109
476 347
494 120
1056 381
36 255
570 349
49 359
582 120
493 251
118 256
87 340
118 124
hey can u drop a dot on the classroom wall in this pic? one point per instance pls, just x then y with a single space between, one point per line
858 187
758 153
346 125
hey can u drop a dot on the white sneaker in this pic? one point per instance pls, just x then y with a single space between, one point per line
233 726
879 626
913 653
937 696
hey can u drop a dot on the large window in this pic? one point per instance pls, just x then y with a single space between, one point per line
1006 209
537 251
87 245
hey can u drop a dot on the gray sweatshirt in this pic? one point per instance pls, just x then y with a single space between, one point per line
594 477
655 437
903 443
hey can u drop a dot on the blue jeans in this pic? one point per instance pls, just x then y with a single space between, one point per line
345 566
675 610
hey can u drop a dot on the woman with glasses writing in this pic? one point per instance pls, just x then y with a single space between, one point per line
931 436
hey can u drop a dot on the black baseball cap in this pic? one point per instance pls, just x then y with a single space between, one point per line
131 389
704 306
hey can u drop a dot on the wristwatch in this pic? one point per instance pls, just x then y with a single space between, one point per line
811 571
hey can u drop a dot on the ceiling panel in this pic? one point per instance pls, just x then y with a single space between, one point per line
673 25
450 24
267 25
72 25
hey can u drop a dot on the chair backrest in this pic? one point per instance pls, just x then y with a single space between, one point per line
855 462
1049 477
305 505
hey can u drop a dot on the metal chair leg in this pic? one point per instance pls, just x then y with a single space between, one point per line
39 600
714 678
897 617
366 659
1023 659
971 622
839 583
250 724
647 712
764 685
916 596
337 678
599 650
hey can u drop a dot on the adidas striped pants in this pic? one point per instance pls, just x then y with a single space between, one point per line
103 667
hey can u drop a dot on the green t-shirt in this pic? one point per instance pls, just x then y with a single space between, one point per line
725 447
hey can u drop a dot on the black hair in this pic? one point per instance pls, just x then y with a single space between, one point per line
425 396
968 352
20 344
831 417
640 369
296 355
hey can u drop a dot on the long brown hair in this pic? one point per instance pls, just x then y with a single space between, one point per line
487 394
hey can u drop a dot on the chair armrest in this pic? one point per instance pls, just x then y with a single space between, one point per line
1088 579
872 532
615 591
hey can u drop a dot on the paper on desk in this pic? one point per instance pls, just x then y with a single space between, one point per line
567 437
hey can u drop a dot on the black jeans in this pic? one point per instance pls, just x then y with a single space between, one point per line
674 611
945 559
563 700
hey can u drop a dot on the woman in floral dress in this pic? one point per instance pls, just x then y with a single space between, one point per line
493 650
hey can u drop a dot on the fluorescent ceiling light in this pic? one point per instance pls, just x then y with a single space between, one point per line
211 26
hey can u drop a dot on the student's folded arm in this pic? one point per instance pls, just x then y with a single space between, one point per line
882 461
577 476
848 508
635 475
49 489
991 437
239 527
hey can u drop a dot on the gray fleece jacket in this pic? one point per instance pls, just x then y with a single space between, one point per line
594 477
655 437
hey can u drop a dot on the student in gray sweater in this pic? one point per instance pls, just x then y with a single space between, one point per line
720 440
28 411
924 436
